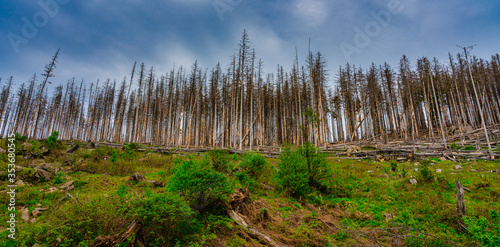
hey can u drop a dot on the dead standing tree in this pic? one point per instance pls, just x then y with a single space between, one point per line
49 68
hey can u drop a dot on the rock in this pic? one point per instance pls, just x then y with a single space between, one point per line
2 151
370 171
45 171
413 181
52 190
432 164
442 158
438 171
27 145
416 164
384 175
67 186
38 211
37 245
20 183
32 220
353 149
416 169
25 215
458 167
473 170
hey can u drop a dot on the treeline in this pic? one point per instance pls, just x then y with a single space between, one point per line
241 106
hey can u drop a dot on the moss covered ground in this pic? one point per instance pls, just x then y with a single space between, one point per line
348 202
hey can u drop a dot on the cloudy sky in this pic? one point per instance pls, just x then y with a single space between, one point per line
101 39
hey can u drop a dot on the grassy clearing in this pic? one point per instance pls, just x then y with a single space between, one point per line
301 199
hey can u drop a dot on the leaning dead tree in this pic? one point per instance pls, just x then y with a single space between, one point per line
240 106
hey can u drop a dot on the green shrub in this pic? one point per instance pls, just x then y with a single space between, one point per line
167 219
20 138
394 166
235 157
114 156
316 164
200 183
122 193
128 152
293 172
487 233
58 179
219 159
133 145
254 163
426 174
454 146
245 180
52 142
468 148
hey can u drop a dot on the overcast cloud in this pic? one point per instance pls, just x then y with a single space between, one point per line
101 39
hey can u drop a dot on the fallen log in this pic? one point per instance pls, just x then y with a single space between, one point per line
116 240
73 149
252 231
138 178
238 202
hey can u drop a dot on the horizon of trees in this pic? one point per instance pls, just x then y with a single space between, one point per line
239 106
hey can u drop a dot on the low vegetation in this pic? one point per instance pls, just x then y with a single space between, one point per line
301 198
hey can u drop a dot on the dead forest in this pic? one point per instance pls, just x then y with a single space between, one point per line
241 106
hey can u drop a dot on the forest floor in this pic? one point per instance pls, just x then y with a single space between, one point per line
90 196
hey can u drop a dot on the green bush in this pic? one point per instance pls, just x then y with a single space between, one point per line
200 183
58 179
454 146
246 180
167 219
219 159
426 174
468 148
133 145
316 164
293 172
254 163
394 166
304 163
20 138
128 152
122 193
52 142
114 156
487 233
